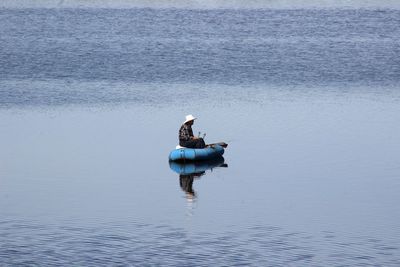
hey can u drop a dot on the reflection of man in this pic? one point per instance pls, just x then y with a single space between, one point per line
186 183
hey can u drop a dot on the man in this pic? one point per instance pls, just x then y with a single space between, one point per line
186 138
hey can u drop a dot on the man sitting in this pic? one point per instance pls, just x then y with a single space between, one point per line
186 138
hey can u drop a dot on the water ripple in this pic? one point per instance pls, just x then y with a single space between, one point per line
32 244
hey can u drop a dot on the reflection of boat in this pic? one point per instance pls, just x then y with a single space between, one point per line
191 154
191 170
198 167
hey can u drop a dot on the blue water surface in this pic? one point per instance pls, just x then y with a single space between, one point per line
91 101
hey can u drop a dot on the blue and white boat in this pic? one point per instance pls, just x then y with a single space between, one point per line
195 154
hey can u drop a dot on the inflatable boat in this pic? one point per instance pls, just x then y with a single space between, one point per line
184 154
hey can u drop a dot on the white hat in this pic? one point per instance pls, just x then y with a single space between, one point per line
189 118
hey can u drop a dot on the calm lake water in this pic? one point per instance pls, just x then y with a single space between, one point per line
91 101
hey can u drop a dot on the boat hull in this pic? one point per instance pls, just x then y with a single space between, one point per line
195 154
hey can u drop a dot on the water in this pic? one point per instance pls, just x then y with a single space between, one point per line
91 101
196 46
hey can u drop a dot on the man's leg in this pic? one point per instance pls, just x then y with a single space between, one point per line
200 143
189 144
